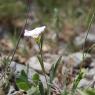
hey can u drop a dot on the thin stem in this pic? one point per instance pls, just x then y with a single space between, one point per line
88 30
28 8
45 75
41 54
43 66
91 48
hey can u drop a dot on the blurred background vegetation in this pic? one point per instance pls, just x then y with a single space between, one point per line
54 12
62 17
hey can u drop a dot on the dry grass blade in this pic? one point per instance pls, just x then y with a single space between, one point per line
88 30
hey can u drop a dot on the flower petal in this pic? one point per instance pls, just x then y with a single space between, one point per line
35 32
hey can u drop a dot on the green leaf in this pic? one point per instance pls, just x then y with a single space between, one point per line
23 85
22 81
36 78
81 92
41 88
23 75
41 41
41 63
54 69
53 73
57 63
76 82
90 91
6 61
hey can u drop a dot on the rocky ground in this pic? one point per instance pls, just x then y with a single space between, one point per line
69 44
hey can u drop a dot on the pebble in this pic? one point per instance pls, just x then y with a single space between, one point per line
75 59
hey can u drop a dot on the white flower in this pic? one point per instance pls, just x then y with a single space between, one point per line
35 32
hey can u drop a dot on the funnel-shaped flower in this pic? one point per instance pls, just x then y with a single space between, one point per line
35 32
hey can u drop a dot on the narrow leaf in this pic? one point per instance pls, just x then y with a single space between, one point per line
54 69
41 42
41 63
41 88
77 80
56 65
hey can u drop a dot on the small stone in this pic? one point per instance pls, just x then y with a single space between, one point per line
43 80
75 59
84 83
80 40
51 58
46 48
33 63
92 65
11 90
17 68
90 74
